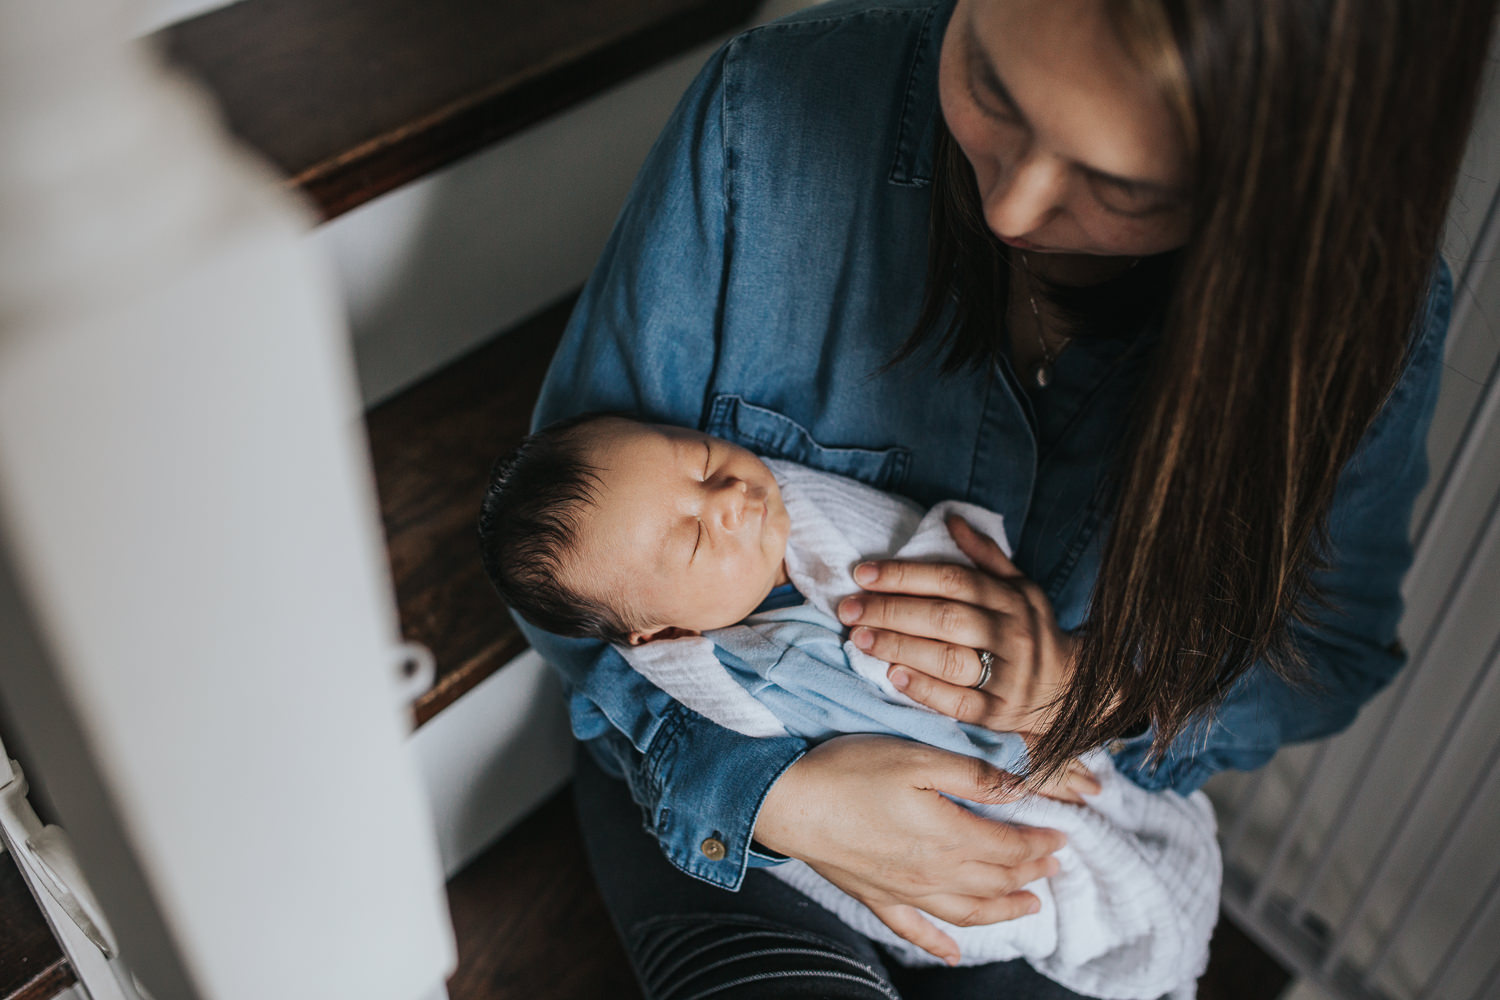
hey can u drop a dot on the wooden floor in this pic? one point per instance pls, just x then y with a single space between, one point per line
529 921
531 925
31 963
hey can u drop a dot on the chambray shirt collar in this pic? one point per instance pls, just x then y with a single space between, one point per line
920 111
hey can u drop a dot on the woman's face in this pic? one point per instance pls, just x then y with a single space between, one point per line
1074 149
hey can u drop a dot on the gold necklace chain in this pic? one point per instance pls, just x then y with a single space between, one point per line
1041 371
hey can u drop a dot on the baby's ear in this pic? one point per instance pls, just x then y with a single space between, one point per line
665 632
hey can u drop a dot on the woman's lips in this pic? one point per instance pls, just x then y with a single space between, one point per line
1018 243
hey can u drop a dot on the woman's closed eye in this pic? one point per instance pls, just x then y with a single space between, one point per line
1132 200
697 541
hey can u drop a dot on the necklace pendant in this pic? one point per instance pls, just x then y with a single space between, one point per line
1041 374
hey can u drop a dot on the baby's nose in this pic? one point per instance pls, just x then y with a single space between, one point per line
732 497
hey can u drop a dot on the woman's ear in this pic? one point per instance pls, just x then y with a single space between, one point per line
665 632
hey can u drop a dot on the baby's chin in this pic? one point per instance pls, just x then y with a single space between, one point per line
759 598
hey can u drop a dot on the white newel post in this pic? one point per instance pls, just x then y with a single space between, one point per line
196 621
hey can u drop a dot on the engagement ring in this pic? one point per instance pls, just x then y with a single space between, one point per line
986 664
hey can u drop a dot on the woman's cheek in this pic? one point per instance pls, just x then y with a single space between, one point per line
966 123
1141 237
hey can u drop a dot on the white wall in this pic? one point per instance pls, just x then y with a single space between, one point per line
436 267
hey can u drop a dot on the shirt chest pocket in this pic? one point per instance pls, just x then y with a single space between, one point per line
772 435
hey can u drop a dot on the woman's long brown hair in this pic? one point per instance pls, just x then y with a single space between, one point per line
1326 136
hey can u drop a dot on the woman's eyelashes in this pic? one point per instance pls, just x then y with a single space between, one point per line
1116 196
997 113
1130 200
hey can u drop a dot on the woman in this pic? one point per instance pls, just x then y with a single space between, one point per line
1171 268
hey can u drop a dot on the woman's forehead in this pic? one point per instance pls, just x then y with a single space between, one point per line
1067 70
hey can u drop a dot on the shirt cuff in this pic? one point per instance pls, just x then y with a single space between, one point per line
718 780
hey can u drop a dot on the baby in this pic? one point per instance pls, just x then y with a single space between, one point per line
607 528
716 575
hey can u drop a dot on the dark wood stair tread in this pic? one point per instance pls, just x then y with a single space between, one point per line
353 98
529 922
433 446
32 966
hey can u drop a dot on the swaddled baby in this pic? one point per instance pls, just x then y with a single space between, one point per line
716 575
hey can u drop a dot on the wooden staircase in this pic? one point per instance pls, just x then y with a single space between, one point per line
352 99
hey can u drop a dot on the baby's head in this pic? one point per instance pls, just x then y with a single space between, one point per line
609 528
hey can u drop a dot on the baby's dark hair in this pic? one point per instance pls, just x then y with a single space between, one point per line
528 523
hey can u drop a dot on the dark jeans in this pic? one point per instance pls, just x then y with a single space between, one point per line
691 940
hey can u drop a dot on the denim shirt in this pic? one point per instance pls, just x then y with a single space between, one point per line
768 262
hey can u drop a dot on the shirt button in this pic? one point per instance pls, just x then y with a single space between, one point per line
713 849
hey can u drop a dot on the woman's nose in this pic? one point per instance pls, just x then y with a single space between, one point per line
1024 198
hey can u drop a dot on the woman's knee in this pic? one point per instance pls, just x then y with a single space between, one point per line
729 957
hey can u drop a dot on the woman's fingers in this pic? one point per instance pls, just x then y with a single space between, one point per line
983 550
974 911
962 911
1005 844
963 584
1081 779
907 922
955 664
965 704
993 881
961 702
1070 785
957 622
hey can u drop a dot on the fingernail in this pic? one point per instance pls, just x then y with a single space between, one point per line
865 574
951 959
850 609
1033 906
1053 867
900 678
863 637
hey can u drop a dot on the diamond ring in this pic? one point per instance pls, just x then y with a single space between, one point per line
986 666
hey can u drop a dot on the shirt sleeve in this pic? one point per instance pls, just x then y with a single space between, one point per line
1351 648
643 338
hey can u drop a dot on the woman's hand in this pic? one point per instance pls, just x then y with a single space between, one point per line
928 620
1070 784
868 813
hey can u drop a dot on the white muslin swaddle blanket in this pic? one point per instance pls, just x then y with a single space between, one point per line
1130 912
